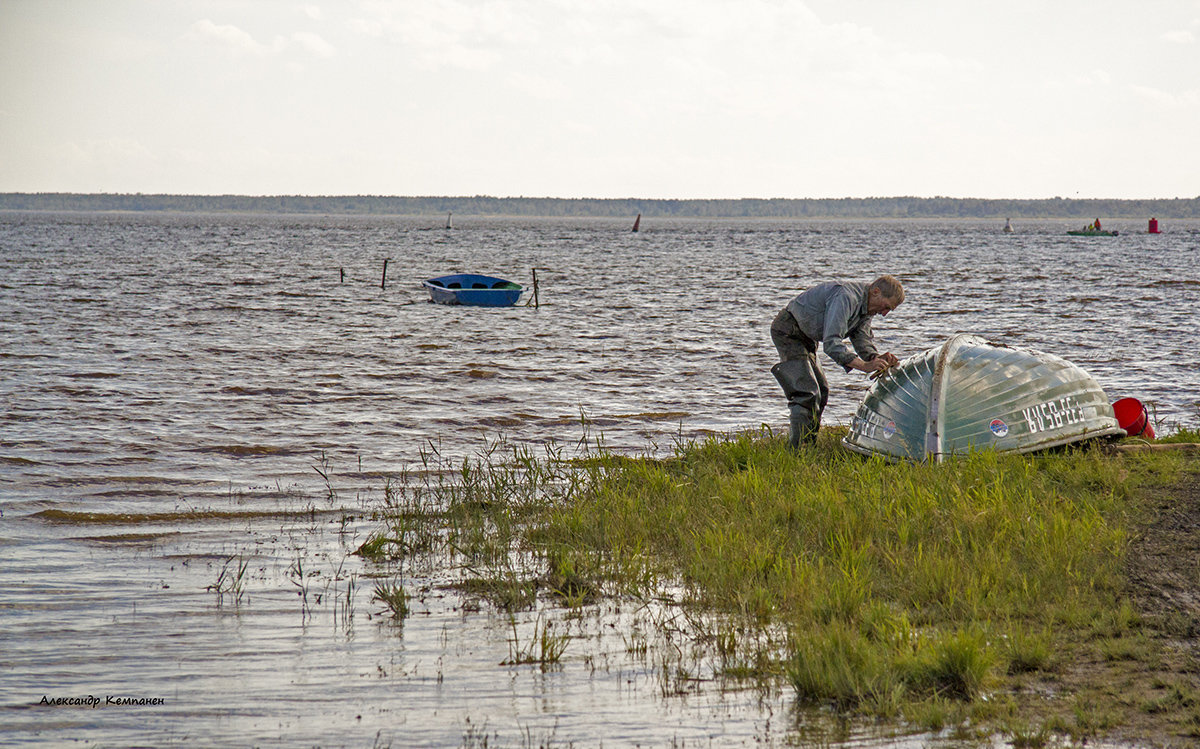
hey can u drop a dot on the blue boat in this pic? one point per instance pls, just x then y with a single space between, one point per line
473 290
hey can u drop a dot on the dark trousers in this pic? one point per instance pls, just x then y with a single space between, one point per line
800 376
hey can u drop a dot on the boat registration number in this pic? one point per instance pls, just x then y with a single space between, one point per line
873 426
1053 414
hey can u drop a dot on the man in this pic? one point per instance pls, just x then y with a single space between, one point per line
828 313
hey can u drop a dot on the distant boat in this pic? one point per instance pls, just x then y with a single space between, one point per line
637 222
1008 226
971 394
473 290
1093 230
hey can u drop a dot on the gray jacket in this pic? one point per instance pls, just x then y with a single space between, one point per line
833 311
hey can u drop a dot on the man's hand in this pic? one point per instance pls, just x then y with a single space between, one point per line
878 366
878 363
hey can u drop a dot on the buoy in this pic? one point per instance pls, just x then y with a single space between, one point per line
1153 226
637 222
1133 418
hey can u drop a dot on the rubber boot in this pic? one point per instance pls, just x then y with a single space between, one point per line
801 429
792 376
803 393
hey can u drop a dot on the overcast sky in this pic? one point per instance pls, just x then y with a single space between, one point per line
603 98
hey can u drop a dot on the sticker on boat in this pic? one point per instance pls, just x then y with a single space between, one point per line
999 428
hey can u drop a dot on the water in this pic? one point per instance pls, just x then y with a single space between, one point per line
171 383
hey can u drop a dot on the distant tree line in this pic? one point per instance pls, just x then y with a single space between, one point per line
485 205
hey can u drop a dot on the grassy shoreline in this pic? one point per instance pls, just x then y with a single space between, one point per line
989 594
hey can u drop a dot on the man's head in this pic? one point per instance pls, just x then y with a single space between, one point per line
885 295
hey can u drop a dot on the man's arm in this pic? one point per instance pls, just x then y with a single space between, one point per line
863 340
869 359
838 309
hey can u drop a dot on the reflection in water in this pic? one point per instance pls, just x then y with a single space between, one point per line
172 382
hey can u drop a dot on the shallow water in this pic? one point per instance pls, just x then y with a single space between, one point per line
172 383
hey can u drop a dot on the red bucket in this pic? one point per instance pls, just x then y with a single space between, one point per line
1133 418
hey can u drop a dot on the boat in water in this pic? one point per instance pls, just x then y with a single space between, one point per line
1093 230
970 394
473 290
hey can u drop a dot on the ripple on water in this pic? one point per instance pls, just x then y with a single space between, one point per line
165 417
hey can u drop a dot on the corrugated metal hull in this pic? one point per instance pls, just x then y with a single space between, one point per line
972 394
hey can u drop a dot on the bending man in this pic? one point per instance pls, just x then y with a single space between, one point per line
828 313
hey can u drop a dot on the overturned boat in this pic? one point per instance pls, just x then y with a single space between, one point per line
969 394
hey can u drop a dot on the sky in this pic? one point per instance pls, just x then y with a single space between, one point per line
603 98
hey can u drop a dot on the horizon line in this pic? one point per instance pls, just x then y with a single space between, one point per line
479 196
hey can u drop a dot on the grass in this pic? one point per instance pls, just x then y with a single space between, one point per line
929 594
231 581
1028 651
393 595
543 648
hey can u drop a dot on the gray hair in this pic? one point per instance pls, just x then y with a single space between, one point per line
890 287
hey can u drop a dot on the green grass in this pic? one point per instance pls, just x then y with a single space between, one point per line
820 538
543 648
904 591
393 595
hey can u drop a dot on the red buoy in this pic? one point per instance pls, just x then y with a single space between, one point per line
1153 226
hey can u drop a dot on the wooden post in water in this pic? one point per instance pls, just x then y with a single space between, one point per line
534 301
342 271
383 281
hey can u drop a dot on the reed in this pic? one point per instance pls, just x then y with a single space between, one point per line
394 596
324 469
543 648
300 580
231 581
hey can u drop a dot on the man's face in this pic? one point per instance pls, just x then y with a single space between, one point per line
878 304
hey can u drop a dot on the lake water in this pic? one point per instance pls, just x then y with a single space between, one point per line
172 383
